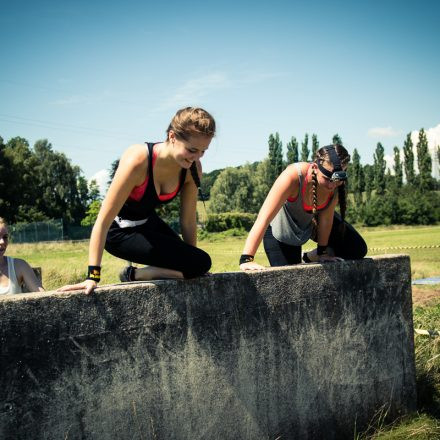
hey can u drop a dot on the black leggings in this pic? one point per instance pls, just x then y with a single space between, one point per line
156 244
350 246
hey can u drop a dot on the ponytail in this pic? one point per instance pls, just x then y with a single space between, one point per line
342 206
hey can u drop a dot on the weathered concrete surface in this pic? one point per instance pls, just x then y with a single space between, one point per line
307 352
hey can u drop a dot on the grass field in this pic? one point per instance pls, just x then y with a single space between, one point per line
66 262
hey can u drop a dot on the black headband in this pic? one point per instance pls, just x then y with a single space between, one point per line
338 174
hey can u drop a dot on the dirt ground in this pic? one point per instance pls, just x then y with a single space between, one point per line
423 296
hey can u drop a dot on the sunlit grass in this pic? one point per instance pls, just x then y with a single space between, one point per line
66 262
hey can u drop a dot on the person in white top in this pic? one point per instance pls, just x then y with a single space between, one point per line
14 272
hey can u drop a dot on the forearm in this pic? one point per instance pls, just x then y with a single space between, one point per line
324 228
254 238
97 242
189 233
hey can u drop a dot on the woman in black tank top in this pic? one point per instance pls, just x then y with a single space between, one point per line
147 176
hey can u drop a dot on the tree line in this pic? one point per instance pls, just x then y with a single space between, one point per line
376 195
38 184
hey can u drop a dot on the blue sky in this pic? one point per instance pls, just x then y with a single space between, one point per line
95 77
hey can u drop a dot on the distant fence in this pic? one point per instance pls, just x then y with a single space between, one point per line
51 230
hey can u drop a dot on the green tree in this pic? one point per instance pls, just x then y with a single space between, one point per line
356 177
315 145
260 184
232 191
91 213
63 191
26 188
93 191
7 185
398 171
292 151
112 171
379 169
337 139
424 162
207 181
275 156
409 160
369 181
305 149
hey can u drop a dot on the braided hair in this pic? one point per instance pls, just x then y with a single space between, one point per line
323 156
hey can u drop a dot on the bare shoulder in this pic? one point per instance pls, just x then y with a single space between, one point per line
291 171
134 156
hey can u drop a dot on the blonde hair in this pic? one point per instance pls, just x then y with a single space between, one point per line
190 121
3 222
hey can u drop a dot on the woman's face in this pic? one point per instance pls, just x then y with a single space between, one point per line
4 237
188 151
324 181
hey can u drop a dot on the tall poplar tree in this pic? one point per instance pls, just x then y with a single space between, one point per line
275 156
337 139
424 162
369 181
356 178
315 145
398 172
379 169
409 160
305 149
292 150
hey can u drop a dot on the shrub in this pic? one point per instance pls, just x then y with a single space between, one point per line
230 220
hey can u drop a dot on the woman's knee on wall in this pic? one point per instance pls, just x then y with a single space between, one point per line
198 265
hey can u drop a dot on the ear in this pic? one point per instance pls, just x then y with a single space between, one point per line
171 136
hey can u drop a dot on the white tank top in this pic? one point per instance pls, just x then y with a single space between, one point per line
13 286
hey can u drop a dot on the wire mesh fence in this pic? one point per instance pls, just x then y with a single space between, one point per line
51 230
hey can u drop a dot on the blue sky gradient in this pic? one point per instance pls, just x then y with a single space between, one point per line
95 77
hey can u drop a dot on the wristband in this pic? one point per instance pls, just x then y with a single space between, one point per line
94 273
322 250
246 258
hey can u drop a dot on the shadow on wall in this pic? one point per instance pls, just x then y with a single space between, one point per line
304 352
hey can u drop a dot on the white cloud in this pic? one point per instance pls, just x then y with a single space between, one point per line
381 132
194 89
101 178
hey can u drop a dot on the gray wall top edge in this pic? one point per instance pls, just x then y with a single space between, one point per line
215 278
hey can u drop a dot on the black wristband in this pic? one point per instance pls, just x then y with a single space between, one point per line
94 273
322 250
246 258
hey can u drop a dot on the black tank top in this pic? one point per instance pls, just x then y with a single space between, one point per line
141 209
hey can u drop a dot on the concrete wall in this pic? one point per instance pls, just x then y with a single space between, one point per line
309 352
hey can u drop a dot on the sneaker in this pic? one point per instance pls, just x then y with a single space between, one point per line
127 274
